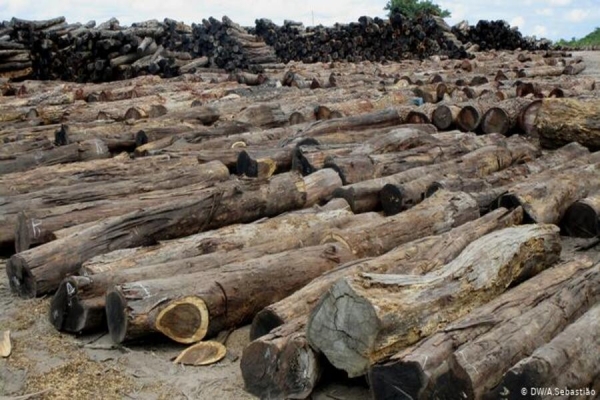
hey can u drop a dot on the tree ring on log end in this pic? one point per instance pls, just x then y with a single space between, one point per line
417 117
192 311
66 309
385 379
141 138
442 117
496 121
263 323
468 119
246 165
434 187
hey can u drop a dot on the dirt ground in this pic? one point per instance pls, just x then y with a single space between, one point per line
60 366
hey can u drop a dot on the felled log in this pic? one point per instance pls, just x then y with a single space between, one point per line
288 365
470 116
226 299
85 204
418 256
546 200
477 366
534 72
364 196
40 270
503 179
310 158
89 150
405 137
414 370
472 279
503 117
227 238
262 163
560 121
575 68
582 218
79 302
568 362
103 170
528 117
357 168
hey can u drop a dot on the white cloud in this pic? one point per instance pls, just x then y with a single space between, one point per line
560 2
546 12
577 15
540 31
518 21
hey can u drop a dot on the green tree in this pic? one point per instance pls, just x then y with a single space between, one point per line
412 8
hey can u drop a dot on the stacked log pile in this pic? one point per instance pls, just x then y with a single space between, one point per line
189 206
496 35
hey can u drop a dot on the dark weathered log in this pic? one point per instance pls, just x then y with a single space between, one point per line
79 301
582 218
569 362
85 203
291 363
412 372
472 279
212 302
264 163
89 150
364 196
561 121
41 269
477 366
546 200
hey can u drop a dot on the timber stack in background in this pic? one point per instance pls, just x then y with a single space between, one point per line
56 49
334 206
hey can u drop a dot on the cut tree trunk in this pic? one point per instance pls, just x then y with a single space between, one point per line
547 200
561 121
444 116
358 168
364 196
119 167
415 257
291 363
90 150
307 159
582 218
79 302
191 307
478 366
40 270
569 361
38 225
411 373
228 238
472 279
377 238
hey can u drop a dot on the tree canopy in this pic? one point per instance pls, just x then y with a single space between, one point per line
412 8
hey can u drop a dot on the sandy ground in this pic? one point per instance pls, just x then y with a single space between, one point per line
80 368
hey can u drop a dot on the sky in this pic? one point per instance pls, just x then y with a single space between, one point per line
553 19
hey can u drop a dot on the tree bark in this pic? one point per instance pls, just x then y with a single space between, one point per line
40 270
472 279
201 305
561 121
414 370
569 361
